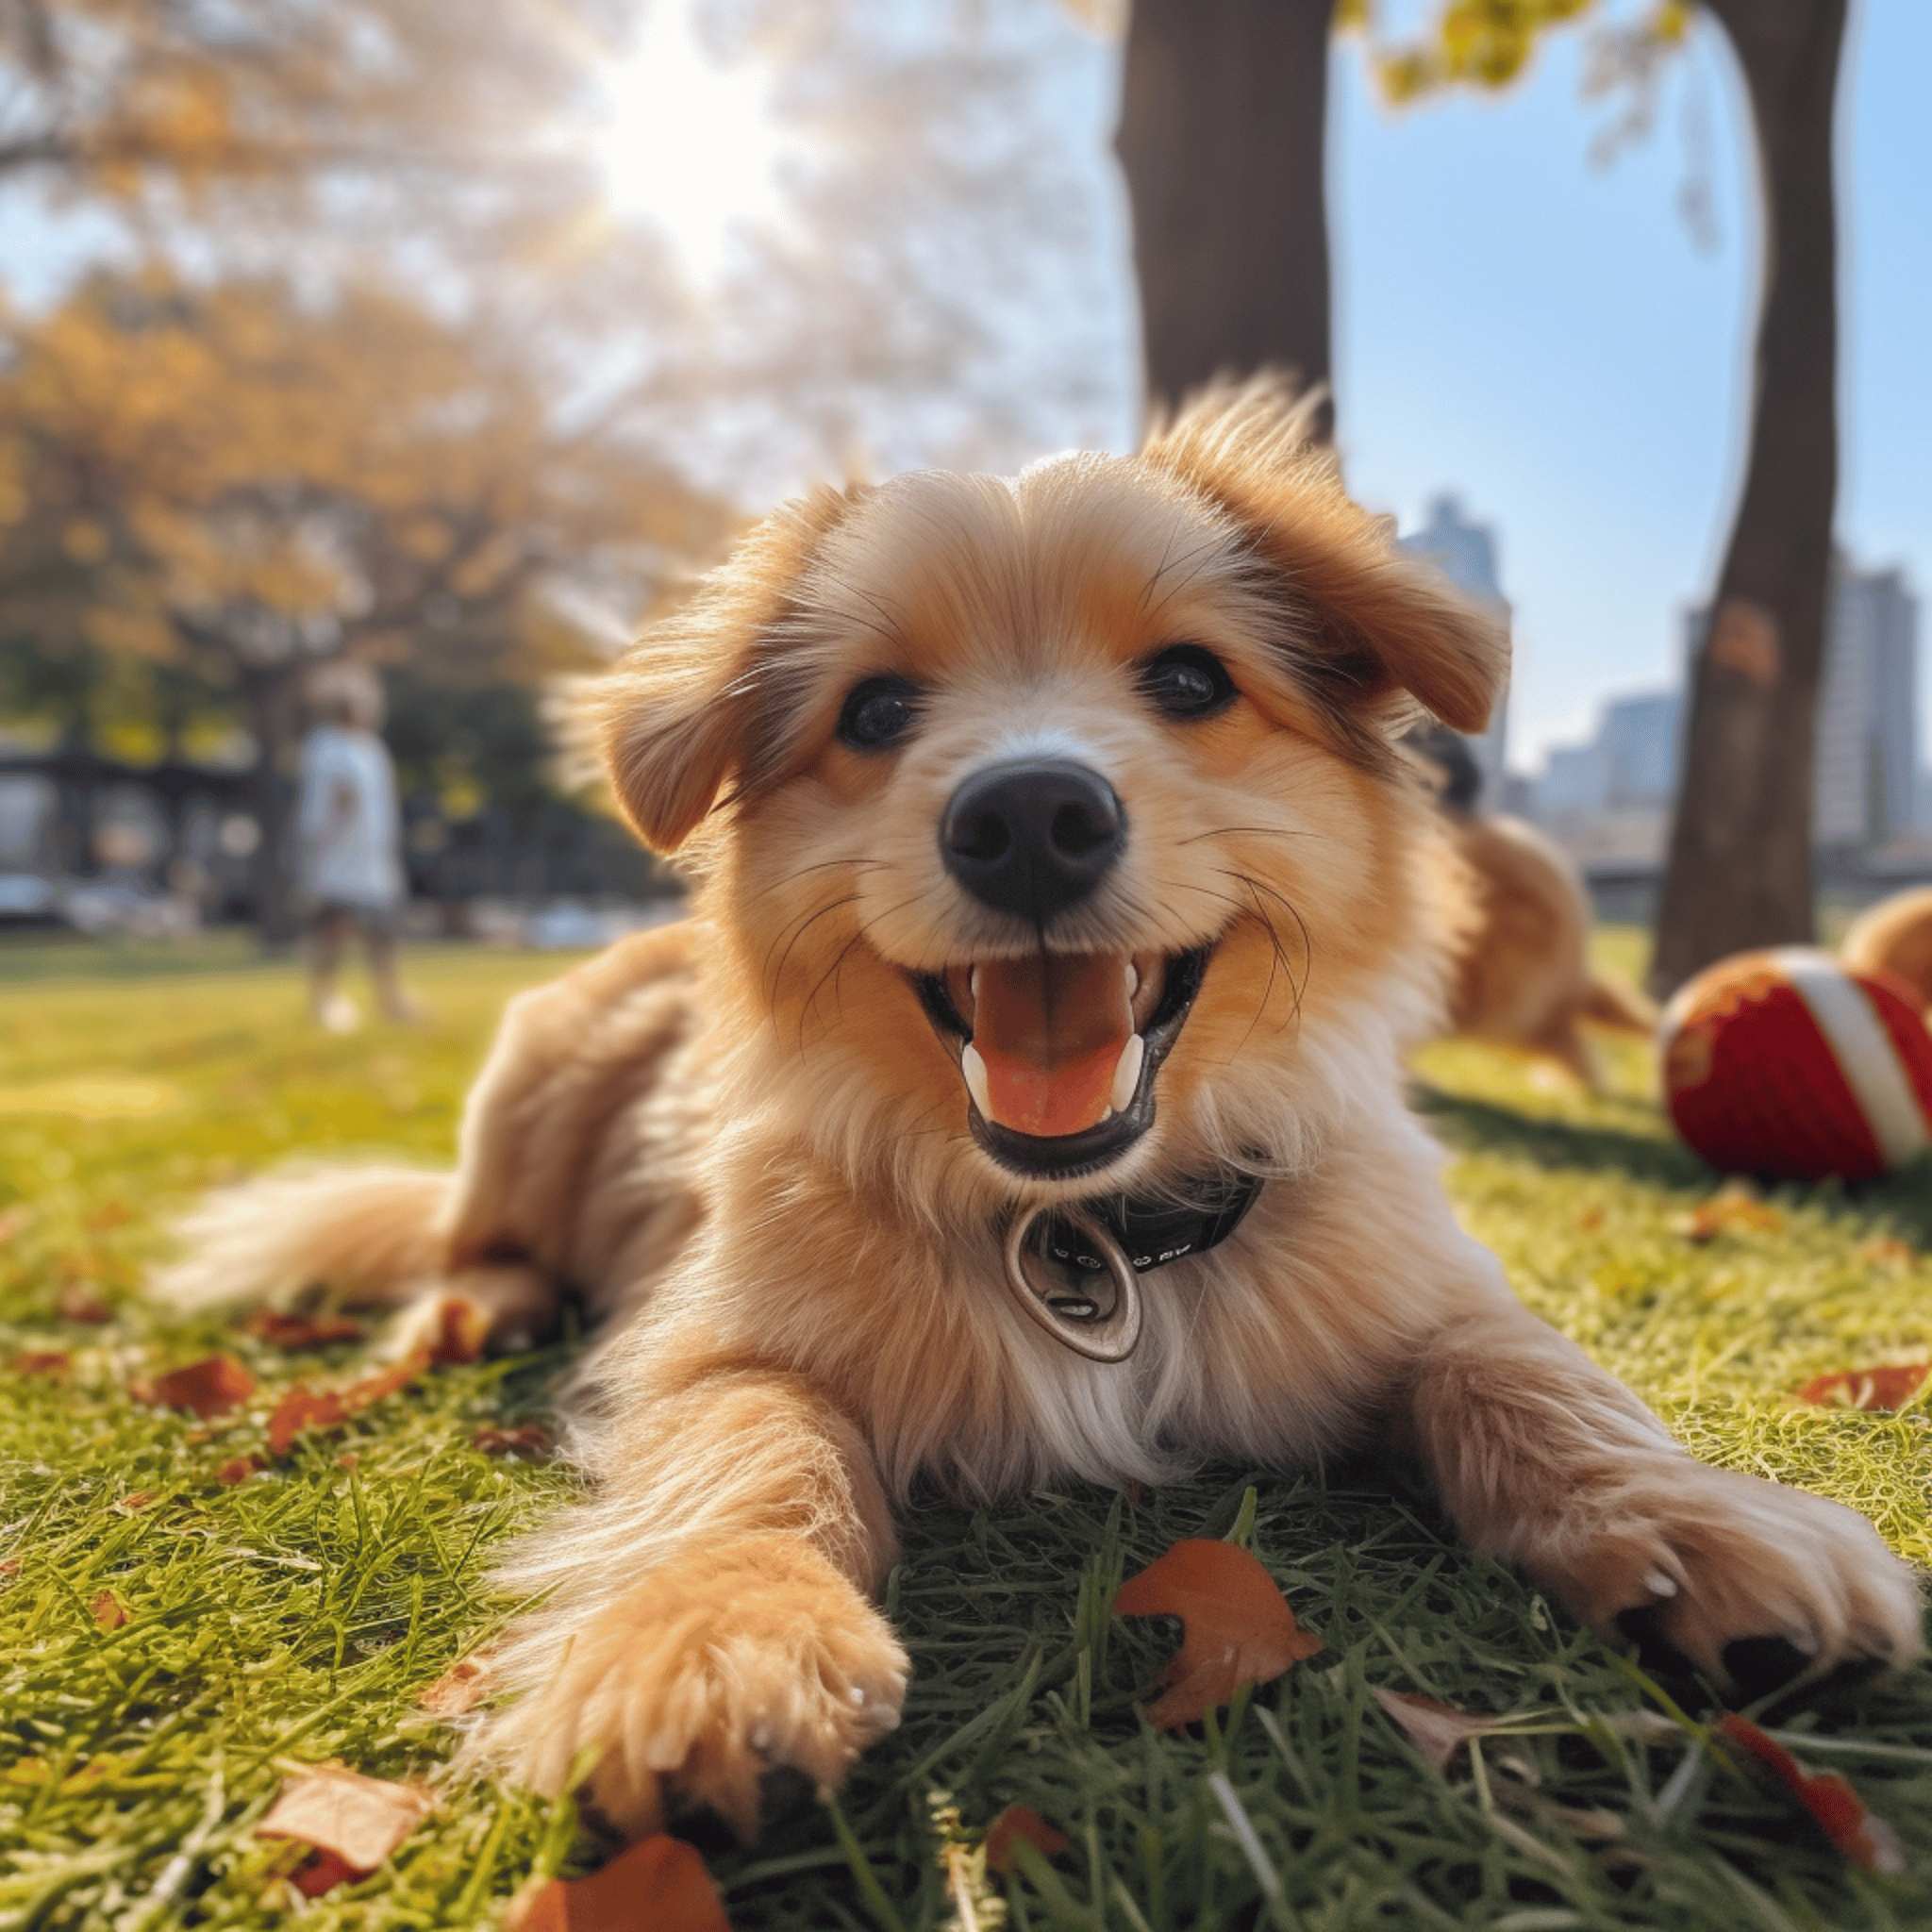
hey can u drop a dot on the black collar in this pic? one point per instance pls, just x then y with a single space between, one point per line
1190 1217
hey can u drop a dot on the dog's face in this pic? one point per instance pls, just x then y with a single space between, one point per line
1062 808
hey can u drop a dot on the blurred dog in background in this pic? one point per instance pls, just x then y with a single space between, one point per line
1523 976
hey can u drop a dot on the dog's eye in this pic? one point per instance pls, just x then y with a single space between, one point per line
877 711
1187 681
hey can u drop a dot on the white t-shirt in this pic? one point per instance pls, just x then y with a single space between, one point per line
346 821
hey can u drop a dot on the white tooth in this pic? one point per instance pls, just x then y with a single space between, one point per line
1127 1074
973 984
1659 1585
977 1084
1133 979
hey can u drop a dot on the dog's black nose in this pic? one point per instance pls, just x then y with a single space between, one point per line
1032 836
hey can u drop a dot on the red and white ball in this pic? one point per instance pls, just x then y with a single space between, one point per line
1786 1065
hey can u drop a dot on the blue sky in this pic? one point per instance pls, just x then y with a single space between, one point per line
1544 338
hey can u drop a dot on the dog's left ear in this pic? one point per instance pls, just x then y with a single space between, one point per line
1368 622
685 713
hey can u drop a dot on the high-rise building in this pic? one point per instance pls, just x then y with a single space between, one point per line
1865 774
1466 555
1868 710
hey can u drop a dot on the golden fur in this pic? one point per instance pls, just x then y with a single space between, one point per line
744 1139
1895 936
1523 977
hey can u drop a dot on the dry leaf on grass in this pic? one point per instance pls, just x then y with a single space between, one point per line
527 1439
208 1388
460 1688
79 1303
139 1499
1729 1208
1886 1387
1438 1730
293 1333
354 1822
1238 1627
108 1610
323 1408
1889 1254
42 1361
1019 1820
1863 1837
660 1883
238 1469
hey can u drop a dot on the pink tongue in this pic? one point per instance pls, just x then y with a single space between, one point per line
1051 1030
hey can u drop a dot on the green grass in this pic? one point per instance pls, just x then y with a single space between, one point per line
297 1616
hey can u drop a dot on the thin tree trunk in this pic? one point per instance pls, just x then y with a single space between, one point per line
1740 842
275 706
1222 130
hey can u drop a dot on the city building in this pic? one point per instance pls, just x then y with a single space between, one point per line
1609 801
1868 712
1466 555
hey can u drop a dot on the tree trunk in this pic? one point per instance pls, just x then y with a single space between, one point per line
274 710
1740 842
1223 121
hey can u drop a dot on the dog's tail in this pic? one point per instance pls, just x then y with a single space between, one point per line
1611 1003
370 1235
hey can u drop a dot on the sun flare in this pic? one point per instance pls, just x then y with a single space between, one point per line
689 143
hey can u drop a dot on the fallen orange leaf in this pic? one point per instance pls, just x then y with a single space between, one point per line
459 1688
42 1361
82 1304
355 1821
1886 1388
291 1333
1438 1730
1728 1207
527 1439
321 1872
108 1610
661 1883
301 1408
310 1408
1239 1628
1019 1820
208 1388
1863 1837
138 1500
238 1469
1888 1253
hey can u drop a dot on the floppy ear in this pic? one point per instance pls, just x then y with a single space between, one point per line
684 713
1374 622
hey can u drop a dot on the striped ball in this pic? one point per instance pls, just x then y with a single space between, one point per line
1786 1065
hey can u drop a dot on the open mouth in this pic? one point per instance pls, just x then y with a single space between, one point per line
1059 1051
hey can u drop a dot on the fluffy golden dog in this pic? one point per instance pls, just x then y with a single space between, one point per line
1522 975
1895 936
1062 896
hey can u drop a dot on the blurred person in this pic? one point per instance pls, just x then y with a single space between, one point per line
349 843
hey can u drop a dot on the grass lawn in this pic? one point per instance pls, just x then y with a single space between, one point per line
296 1617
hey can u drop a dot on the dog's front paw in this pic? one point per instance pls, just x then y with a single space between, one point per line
1754 1582
706 1676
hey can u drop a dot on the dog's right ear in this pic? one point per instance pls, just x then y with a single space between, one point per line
682 715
